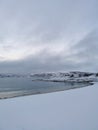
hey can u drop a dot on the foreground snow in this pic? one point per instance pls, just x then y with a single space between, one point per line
68 110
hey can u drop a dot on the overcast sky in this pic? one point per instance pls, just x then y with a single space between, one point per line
48 35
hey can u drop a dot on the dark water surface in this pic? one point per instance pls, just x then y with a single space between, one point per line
13 87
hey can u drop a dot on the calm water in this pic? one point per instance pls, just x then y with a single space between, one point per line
13 87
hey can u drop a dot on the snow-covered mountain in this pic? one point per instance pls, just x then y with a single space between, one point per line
10 75
74 76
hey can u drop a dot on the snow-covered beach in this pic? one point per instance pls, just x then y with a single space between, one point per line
73 110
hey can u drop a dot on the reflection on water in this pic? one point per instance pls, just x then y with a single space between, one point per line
14 87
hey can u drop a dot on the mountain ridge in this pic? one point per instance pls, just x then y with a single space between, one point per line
73 76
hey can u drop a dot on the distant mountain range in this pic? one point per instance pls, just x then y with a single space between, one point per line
74 76
6 75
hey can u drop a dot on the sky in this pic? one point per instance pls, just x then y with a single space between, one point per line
48 35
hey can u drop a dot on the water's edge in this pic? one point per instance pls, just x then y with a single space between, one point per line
17 87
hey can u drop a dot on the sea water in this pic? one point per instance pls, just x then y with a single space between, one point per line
20 86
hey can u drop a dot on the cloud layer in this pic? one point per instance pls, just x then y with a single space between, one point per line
45 35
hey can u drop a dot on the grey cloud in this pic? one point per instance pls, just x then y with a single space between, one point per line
40 22
53 18
84 59
41 63
86 51
88 46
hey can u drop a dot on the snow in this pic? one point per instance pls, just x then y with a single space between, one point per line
69 110
75 76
